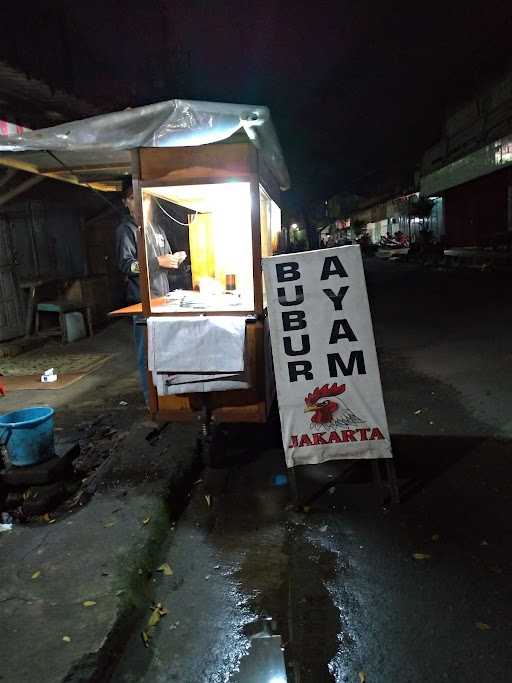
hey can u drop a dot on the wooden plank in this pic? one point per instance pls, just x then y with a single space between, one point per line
249 413
141 238
127 311
257 272
163 309
178 405
254 413
144 285
215 161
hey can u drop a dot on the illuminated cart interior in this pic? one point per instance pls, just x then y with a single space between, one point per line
211 175
229 217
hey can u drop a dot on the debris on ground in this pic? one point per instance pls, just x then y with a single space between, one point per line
31 491
71 477
157 612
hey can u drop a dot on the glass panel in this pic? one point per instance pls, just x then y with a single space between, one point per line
266 239
275 227
270 219
199 247
265 220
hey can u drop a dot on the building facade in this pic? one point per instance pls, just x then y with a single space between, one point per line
471 168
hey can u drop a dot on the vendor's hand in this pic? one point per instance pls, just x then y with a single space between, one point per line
182 255
171 261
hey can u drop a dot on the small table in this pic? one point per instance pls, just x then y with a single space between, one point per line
60 308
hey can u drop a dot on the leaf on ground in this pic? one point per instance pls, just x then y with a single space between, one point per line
36 575
481 626
165 569
208 500
323 528
421 556
417 412
107 525
120 592
145 638
154 618
362 677
66 639
52 521
157 611
88 603
146 520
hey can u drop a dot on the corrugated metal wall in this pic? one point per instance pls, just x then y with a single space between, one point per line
477 210
46 240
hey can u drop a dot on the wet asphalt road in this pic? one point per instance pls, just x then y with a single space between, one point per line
418 593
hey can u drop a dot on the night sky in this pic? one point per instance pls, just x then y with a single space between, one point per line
356 89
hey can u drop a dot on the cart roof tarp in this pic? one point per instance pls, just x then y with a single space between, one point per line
96 151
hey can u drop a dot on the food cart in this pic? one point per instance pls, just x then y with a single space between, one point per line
220 168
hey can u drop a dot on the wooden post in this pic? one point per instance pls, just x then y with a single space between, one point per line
144 284
257 272
145 291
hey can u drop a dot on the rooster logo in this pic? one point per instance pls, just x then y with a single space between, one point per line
328 408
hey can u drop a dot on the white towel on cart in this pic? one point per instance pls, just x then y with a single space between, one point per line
196 344
168 384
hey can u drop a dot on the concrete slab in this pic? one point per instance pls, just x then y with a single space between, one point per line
70 590
49 573
110 383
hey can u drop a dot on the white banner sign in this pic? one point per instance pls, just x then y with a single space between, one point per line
327 375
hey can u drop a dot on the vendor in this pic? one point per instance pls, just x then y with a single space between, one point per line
159 254
160 260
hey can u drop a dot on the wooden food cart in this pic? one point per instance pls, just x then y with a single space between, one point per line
232 201
219 167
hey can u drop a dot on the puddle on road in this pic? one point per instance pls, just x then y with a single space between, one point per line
303 615
287 571
265 659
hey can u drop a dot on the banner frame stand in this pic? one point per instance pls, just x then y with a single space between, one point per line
388 488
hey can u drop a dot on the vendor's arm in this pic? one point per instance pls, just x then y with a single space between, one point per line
126 247
127 251
170 261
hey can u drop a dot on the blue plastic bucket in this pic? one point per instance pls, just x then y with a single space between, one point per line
28 435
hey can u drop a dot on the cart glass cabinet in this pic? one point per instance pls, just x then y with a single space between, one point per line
221 207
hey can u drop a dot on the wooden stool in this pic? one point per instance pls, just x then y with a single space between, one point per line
60 308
